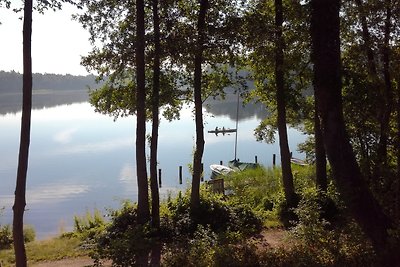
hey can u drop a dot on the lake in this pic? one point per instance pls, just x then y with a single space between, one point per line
81 160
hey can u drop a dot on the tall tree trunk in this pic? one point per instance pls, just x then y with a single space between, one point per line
198 104
325 32
320 155
388 92
155 199
384 87
281 106
367 42
398 153
143 194
20 189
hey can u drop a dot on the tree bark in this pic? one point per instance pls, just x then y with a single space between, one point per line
320 154
155 199
388 91
198 103
367 42
287 175
143 194
398 153
385 88
20 190
325 29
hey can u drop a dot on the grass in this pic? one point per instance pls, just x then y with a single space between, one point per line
46 250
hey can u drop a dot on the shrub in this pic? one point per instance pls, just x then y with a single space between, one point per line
29 234
6 238
88 227
123 240
322 241
214 212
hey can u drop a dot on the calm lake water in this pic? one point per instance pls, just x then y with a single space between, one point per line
81 160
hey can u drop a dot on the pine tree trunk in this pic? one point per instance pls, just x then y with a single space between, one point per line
143 194
388 92
198 103
320 155
20 190
325 28
281 106
155 199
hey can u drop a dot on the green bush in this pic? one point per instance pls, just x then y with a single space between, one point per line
215 212
123 240
29 234
6 238
322 241
6 235
90 225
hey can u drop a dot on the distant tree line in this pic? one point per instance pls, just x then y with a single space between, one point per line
11 82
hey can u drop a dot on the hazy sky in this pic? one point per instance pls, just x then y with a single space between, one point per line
57 42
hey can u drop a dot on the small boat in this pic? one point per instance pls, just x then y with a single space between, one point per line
223 131
217 170
298 162
241 166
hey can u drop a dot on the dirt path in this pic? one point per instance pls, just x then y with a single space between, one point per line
75 262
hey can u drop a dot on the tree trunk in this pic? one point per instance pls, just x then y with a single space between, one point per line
325 29
143 194
320 155
198 104
388 92
367 43
20 190
398 153
385 88
281 106
155 199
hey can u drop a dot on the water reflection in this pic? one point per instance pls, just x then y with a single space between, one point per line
80 160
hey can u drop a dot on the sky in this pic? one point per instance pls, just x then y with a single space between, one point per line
58 42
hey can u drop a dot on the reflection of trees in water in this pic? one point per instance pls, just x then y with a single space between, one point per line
228 106
11 102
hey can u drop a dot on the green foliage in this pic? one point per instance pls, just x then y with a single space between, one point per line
215 212
88 227
6 238
336 241
6 235
123 240
29 234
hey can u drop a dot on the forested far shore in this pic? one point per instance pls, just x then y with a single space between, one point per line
11 82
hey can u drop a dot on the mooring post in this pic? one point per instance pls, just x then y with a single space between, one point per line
180 174
273 160
159 178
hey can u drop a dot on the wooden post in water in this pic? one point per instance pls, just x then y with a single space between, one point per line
255 159
273 160
180 174
159 178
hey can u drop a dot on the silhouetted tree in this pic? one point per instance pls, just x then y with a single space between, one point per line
20 189
325 33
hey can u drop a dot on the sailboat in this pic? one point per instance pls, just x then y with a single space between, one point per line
218 170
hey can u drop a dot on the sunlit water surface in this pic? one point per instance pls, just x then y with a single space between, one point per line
81 160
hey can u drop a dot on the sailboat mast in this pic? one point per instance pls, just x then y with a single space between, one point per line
237 123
